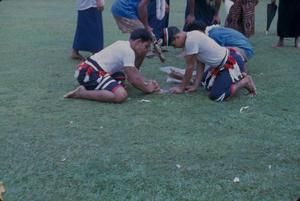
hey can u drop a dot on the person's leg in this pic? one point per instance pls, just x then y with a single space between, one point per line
297 42
247 83
279 42
76 55
119 95
234 19
128 25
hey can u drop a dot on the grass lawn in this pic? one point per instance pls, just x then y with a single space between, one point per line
175 147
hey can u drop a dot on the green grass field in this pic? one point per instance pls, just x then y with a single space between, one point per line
176 147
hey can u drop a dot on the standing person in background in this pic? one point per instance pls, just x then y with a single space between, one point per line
158 24
241 16
89 30
131 14
288 24
206 11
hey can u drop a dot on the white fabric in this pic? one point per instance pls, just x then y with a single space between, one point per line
227 5
85 4
160 9
115 57
208 28
207 50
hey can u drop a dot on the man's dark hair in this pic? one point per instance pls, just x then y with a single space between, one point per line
196 25
141 34
169 35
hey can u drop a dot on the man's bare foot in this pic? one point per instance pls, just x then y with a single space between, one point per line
279 43
250 86
76 56
75 93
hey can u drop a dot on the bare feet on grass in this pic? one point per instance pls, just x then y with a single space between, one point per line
75 93
279 43
250 86
76 56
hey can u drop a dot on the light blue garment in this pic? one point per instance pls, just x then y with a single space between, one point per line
126 8
85 4
228 37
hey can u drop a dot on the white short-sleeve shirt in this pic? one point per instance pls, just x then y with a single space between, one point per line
115 57
85 4
206 49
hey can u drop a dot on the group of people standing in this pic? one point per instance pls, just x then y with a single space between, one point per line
217 54
132 14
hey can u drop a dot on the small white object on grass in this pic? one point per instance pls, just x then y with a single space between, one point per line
243 108
144 101
178 166
164 91
236 180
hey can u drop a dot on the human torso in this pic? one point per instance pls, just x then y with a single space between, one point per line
125 8
114 57
228 37
206 49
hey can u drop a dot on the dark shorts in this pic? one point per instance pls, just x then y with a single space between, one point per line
93 79
221 88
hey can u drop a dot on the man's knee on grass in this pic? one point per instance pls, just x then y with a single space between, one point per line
120 95
218 96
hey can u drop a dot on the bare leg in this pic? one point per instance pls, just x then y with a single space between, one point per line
297 42
118 96
246 83
280 42
76 55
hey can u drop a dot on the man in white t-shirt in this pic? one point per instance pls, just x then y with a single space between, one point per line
100 74
221 69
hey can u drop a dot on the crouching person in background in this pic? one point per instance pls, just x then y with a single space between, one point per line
99 75
220 69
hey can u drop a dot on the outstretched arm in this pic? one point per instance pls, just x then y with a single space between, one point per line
137 80
143 13
198 77
190 64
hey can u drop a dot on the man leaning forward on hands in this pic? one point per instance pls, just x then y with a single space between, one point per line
99 75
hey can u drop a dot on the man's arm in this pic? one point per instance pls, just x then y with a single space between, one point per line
138 61
143 13
137 80
191 8
198 77
190 63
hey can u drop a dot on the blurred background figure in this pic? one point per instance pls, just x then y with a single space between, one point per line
89 30
158 24
206 11
288 24
271 12
241 16
131 14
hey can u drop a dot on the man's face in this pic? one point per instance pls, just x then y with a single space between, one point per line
142 48
178 40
